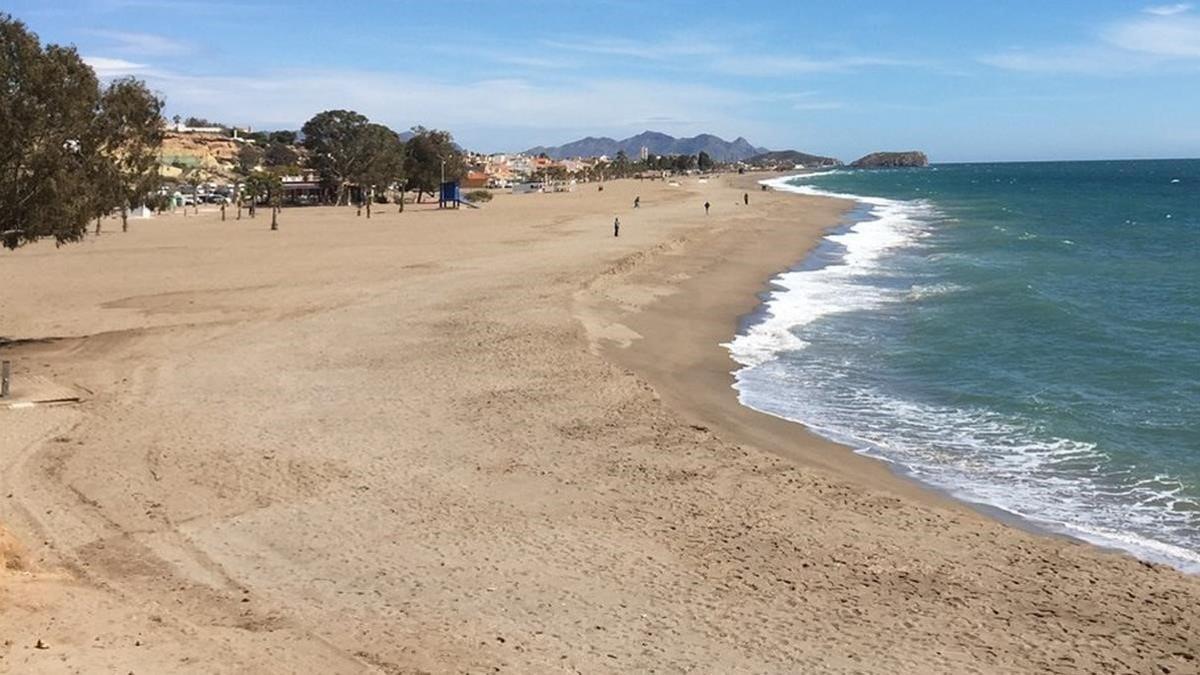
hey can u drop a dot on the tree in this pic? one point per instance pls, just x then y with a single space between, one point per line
384 165
285 137
704 162
130 129
621 165
432 157
280 154
335 142
259 186
249 158
60 138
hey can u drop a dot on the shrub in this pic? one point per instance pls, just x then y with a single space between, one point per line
478 196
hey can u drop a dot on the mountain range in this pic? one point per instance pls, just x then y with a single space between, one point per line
656 143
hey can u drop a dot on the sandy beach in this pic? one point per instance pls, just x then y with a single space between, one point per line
493 440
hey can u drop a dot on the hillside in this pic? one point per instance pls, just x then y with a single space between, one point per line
879 160
787 159
656 143
214 154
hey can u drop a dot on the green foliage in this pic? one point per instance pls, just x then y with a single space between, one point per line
704 162
384 154
346 148
478 196
279 154
129 124
68 150
334 142
201 122
620 166
432 154
261 186
249 158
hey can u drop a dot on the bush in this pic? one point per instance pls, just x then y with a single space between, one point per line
478 196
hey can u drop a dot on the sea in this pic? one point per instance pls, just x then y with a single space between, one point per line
1022 336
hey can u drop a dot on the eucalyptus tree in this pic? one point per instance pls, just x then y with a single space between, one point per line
68 151
384 164
335 140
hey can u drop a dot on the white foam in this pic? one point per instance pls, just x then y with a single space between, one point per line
808 295
979 456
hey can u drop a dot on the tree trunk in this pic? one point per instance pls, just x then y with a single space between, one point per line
400 198
253 207
222 212
274 218
97 225
125 217
370 198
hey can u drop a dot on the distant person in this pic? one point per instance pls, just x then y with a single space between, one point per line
706 205
637 202
746 198
599 188
616 227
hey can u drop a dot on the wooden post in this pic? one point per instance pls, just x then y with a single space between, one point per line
5 377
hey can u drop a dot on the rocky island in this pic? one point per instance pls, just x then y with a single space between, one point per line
880 160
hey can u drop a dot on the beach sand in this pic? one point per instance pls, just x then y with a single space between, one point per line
489 440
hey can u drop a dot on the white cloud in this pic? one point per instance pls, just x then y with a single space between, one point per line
700 53
1176 37
142 44
674 47
1168 10
769 66
1076 60
499 112
109 67
1135 44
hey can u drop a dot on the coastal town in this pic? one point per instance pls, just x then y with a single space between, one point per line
203 162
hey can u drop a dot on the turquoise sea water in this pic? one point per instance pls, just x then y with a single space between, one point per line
1023 335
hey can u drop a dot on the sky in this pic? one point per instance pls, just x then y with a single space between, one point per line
963 81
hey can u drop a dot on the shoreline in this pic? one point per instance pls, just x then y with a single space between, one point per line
860 211
681 350
491 439
855 212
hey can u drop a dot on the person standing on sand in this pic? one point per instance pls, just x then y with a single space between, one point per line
706 205
616 227
746 198
637 201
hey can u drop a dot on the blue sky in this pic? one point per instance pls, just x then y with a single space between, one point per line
963 81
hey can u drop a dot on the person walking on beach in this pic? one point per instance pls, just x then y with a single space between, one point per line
637 201
706 205
746 198
616 227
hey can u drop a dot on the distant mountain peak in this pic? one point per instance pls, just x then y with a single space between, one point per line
656 143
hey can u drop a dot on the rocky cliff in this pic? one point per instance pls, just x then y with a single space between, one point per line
878 160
